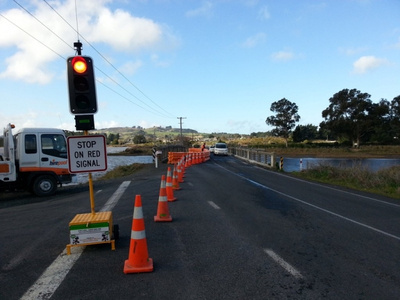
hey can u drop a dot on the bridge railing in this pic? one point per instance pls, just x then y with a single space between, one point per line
261 157
170 148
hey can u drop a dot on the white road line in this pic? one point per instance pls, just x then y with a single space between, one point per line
289 268
213 205
330 212
341 191
53 276
315 206
115 197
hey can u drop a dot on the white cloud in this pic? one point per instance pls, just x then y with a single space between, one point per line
158 62
107 124
282 56
30 61
254 40
123 31
205 9
397 45
240 126
368 63
352 51
28 119
146 124
131 67
264 13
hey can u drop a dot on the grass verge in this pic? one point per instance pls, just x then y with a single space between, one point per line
385 182
122 171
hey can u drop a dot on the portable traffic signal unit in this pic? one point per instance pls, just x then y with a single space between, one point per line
81 85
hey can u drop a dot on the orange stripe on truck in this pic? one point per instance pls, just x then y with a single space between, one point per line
58 171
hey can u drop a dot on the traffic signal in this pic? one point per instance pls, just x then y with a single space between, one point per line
81 85
84 122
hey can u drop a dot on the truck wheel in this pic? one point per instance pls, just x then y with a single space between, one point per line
44 185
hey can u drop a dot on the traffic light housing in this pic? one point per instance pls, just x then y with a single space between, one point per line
81 85
84 122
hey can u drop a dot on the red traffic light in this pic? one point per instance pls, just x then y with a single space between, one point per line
79 64
81 85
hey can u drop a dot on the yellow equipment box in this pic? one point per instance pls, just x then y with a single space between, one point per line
91 228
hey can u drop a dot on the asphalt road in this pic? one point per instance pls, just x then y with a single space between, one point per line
238 232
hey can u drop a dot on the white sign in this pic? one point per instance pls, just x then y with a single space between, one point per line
87 153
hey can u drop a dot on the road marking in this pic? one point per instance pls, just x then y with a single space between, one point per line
54 275
213 205
342 191
115 197
289 268
315 206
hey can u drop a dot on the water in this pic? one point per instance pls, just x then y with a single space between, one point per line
115 161
373 164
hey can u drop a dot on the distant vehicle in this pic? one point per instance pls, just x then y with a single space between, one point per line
212 149
221 149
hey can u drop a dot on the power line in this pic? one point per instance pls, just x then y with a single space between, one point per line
32 36
116 69
77 23
27 11
168 115
65 58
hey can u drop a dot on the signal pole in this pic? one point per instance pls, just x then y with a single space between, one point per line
180 122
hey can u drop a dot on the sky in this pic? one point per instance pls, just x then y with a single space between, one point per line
218 65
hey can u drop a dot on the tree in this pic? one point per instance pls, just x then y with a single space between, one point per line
379 127
285 119
307 132
139 139
394 113
347 115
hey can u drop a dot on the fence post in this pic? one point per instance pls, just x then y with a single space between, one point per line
155 159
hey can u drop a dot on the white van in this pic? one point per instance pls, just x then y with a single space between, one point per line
221 149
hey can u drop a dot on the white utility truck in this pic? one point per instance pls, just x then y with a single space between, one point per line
34 159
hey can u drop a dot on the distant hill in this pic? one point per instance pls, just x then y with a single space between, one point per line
126 135
136 129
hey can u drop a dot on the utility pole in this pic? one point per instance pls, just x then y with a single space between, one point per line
180 122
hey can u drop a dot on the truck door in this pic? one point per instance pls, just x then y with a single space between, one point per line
27 152
53 153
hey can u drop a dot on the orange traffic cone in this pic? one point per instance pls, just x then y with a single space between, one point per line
170 190
138 260
175 181
162 209
182 168
186 161
181 172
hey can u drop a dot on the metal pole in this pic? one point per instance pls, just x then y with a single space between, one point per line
180 123
91 193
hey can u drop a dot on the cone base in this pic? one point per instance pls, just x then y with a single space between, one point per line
172 199
148 267
162 219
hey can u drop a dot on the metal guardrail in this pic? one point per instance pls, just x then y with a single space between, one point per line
265 159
